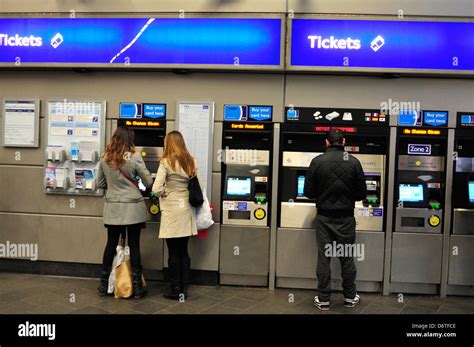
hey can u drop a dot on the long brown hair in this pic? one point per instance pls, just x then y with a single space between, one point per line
176 151
121 142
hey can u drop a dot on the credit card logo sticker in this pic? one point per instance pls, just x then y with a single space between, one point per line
242 206
378 212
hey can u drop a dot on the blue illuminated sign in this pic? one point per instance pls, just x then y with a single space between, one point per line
381 44
235 113
435 118
467 119
154 110
409 118
130 41
130 111
260 113
292 114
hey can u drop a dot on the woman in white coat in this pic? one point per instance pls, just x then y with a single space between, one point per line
177 166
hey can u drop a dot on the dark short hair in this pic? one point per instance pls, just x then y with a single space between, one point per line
335 137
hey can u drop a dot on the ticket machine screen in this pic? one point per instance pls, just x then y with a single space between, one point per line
239 186
471 192
412 193
300 190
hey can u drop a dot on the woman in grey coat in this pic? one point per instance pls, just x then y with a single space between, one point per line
124 208
177 221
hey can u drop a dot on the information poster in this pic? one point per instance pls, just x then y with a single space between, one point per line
196 121
75 141
21 123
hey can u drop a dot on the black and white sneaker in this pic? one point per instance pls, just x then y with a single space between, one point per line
352 302
322 305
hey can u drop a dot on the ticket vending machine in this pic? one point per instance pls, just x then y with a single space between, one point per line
149 124
303 137
420 186
461 254
246 155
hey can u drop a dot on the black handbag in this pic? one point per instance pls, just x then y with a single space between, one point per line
196 198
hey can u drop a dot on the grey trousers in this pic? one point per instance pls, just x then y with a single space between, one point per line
342 231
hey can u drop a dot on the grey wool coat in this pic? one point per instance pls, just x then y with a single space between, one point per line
124 203
177 219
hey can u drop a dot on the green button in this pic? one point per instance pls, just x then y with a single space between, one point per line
372 201
261 199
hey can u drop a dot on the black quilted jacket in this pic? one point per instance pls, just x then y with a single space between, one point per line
336 181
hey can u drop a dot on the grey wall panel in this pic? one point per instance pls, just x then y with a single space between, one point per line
413 288
19 228
164 87
253 250
216 196
369 92
170 126
218 154
72 239
204 252
143 6
370 268
296 254
416 258
22 191
390 7
151 247
461 263
29 156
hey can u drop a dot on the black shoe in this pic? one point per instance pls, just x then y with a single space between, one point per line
173 293
322 305
139 291
352 302
185 275
104 281
174 271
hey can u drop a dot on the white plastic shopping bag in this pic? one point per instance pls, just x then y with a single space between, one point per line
123 254
203 215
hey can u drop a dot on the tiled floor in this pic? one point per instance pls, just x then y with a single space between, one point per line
36 294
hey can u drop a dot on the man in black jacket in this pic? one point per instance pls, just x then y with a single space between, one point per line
336 181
